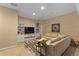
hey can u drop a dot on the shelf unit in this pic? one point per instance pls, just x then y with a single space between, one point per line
38 30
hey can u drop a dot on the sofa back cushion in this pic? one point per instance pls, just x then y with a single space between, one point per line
51 35
52 40
62 36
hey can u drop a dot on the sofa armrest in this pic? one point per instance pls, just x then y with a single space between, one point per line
57 48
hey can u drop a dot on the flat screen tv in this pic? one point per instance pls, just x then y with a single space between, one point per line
29 30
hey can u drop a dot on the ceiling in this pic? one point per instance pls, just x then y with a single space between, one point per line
51 9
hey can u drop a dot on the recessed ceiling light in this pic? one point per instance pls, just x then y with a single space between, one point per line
34 13
42 7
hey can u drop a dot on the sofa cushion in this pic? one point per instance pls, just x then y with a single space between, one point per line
47 37
42 39
52 40
51 35
62 36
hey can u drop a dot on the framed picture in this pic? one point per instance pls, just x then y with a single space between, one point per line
56 27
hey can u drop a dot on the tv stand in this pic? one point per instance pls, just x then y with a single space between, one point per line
22 38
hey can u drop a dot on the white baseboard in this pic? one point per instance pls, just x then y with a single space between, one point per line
8 47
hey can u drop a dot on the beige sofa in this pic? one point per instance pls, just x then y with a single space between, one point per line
58 48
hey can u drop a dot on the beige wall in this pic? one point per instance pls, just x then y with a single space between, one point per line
69 24
27 22
8 27
44 25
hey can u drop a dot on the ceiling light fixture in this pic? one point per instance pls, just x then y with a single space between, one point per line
42 7
34 13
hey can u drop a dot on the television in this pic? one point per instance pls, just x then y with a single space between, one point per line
28 30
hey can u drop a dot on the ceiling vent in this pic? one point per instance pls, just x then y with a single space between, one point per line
14 4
